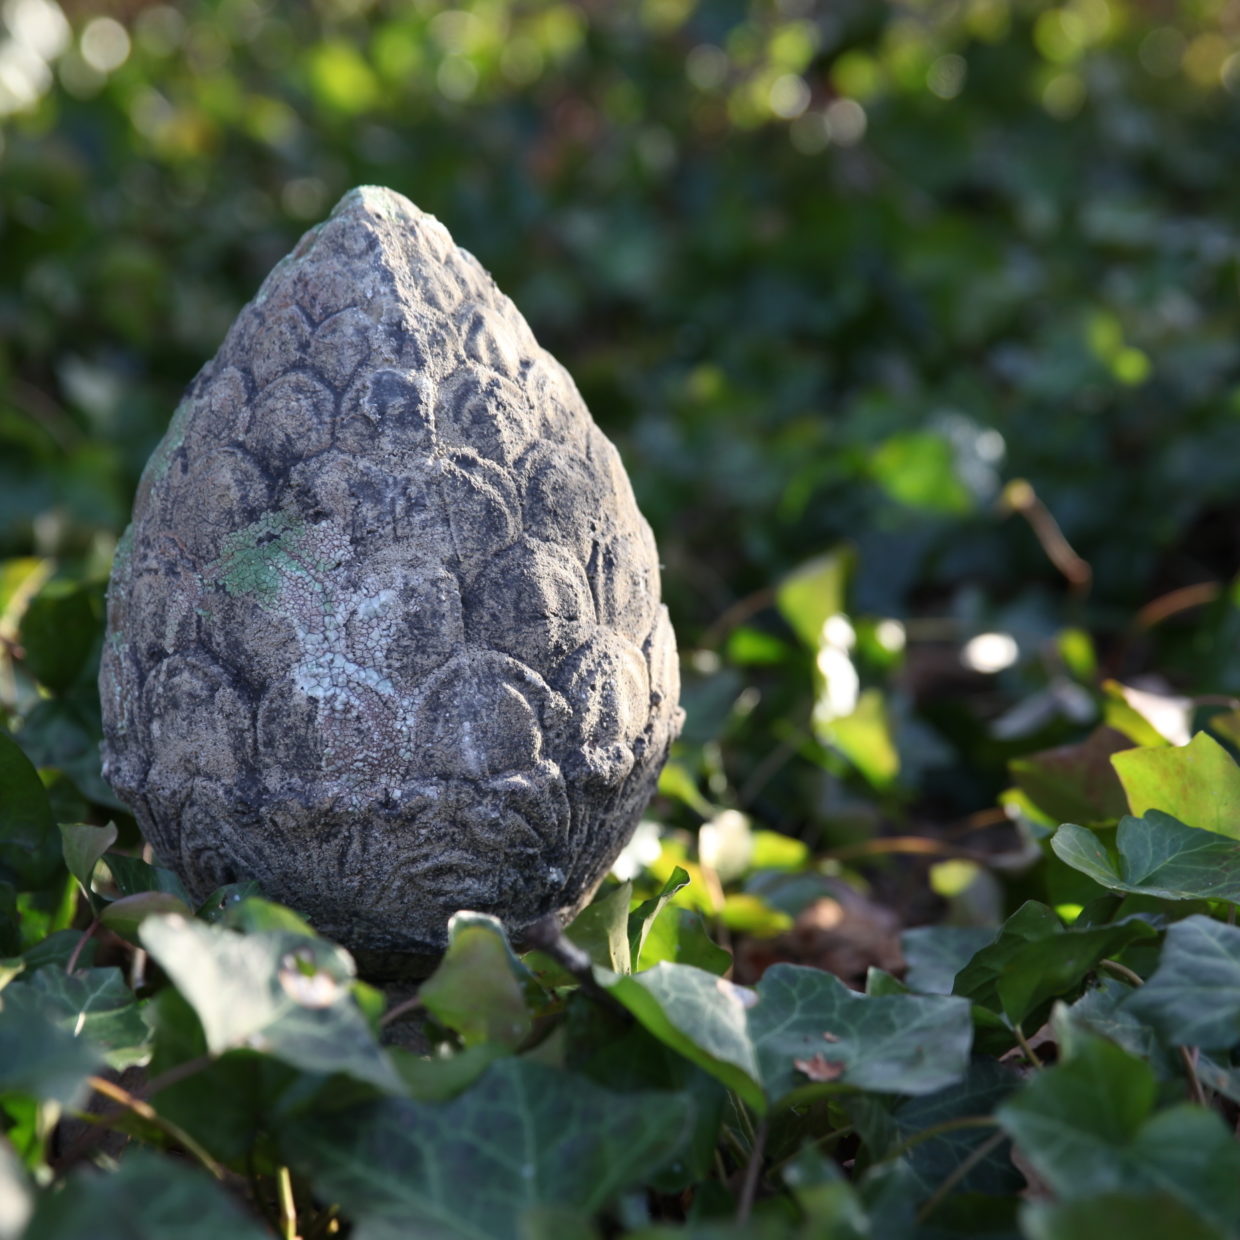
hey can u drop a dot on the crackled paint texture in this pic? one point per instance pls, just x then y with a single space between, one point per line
385 634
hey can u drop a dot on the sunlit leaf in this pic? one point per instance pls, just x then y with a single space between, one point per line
814 592
646 914
865 738
277 992
478 989
1075 783
1198 783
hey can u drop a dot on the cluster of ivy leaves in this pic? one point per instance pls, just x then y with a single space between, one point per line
171 1070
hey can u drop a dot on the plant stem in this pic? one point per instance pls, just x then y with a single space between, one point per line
986 1148
147 1112
79 946
403 1008
1189 1055
938 1130
1122 971
288 1205
753 1173
1029 1053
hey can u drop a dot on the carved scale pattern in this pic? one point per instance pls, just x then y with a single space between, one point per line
385 632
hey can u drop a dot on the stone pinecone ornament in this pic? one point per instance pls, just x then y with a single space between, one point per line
385 632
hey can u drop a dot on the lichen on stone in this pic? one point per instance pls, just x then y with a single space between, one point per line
386 634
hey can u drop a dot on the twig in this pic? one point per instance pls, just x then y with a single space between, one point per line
753 1173
547 936
905 844
1122 971
1029 1053
147 1112
78 947
962 1169
1195 1089
288 1205
736 614
938 1130
1167 605
191 1067
403 1008
1019 496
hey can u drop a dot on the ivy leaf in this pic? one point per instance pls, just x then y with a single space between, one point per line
29 845
1075 782
133 876
282 993
601 929
812 593
1198 783
125 915
1102 1010
679 936
932 1160
1158 856
700 1016
524 1138
1088 1127
1035 958
148 1197
60 629
644 916
935 954
478 988
92 1003
907 1044
1193 997
1133 1215
41 1059
83 847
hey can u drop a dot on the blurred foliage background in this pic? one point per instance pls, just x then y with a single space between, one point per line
915 323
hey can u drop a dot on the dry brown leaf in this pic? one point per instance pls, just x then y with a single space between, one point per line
819 1068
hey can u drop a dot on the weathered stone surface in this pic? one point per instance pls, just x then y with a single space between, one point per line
385 632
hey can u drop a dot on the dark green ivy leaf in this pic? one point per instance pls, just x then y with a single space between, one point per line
39 1058
701 1016
522 1139
29 845
1035 958
1158 856
1193 997
1132 1215
148 1197
935 954
903 1044
1088 1126
83 847
91 1003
